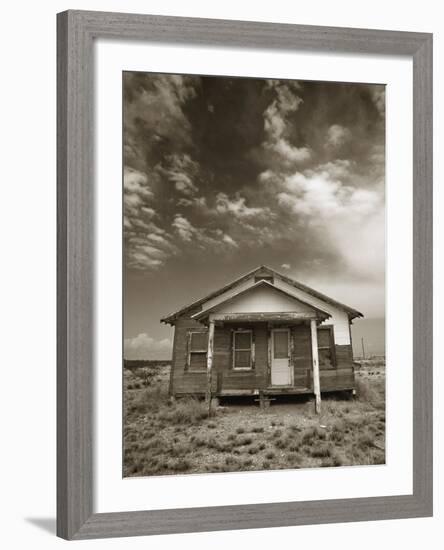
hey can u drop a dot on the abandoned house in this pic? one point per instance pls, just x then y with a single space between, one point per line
262 334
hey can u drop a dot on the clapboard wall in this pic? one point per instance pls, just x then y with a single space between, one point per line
226 380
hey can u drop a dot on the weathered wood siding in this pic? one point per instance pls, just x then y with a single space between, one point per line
235 381
227 380
339 377
343 376
183 382
263 300
339 318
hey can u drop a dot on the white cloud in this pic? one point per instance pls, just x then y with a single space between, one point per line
292 84
337 169
184 228
288 101
153 251
136 191
378 96
182 86
184 184
147 246
316 193
181 170
361 243
144 255
337 136
203 237
156 103
267 176
286 266
238 208
349 219
171 92
135 182
154 237
150 212
227 239
139 224
274 123
289 153
286 93
198 202
142 248
276 126
144 346
377 157
132 200
141 260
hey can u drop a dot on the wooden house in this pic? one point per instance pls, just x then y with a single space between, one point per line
262 334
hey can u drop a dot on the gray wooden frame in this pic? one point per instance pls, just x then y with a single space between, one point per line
77 31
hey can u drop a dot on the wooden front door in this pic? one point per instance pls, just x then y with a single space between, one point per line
281 372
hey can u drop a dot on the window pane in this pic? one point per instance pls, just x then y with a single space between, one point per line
323 337
242 340
199 341
280 340
242 360
325 359
198 361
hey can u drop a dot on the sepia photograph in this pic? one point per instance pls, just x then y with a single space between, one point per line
253 274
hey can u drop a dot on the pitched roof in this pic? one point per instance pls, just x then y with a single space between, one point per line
262 271
262 283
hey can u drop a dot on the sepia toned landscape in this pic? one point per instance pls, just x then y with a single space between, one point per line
164 436
253 274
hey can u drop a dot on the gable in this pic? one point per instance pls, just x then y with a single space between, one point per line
262 299
292 287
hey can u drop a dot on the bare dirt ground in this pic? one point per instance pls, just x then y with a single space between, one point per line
162 438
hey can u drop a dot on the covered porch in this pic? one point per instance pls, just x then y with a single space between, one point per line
270 354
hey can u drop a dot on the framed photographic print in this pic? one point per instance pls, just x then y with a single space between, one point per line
244 275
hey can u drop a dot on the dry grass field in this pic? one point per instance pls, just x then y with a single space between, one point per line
163 437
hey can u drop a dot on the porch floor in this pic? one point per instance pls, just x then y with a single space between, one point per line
276 390
272 390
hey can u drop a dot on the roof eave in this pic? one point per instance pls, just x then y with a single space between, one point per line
205 312
261 317
169 319
352 313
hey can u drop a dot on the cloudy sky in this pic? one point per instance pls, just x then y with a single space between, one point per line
223 174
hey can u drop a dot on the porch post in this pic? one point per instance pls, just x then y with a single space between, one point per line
315 356
209 362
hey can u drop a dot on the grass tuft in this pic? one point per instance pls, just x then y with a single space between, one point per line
165 436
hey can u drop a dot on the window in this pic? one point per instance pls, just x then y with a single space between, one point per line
280 344
326 348
197 351
242 349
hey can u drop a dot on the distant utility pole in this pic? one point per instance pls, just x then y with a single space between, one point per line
363 349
